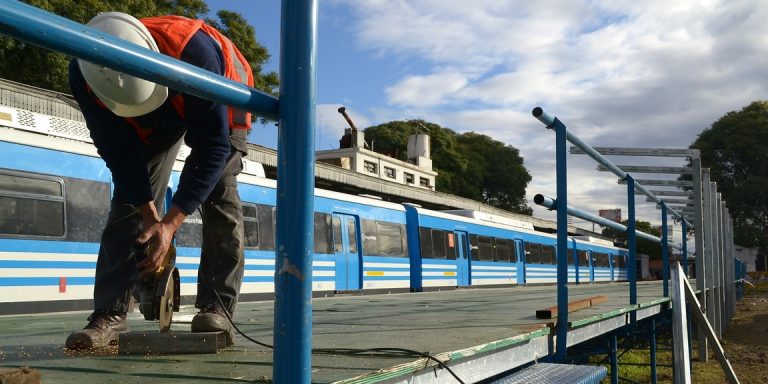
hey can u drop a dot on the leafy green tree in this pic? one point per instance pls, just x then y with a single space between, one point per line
644 246
470 165
29 64
735 149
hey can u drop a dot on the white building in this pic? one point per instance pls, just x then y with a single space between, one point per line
353 155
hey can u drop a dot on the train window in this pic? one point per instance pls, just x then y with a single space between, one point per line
37 187
266 227
583 259
425 237
621 261
370 238
439 244
548 254
450 253
87 205
532 253
473 249
485 248
352 234
322 233
259 226
390 238
190 233
31 206
502 250
570 257
601 259
251 225
435 243
337 247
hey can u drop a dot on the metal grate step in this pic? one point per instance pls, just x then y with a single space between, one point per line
544 373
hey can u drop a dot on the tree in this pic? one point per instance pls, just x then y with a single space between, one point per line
735 149
470 165
644 246
32 65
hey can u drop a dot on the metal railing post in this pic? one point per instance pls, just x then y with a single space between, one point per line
631 245
709 247
717 260
698 219
561 204
684 229
665 251
295 192
652 347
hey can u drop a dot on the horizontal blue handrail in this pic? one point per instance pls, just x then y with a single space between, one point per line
33 25
551 203
549 120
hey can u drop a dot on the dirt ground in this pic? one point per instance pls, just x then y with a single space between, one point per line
745 341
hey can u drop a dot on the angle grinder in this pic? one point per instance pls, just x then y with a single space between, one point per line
159 292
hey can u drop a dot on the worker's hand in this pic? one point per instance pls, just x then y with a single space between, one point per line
158 237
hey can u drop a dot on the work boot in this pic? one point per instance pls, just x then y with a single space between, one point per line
102 330
213 318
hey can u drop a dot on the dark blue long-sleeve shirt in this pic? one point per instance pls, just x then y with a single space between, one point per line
207 134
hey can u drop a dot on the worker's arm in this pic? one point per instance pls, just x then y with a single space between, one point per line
208 138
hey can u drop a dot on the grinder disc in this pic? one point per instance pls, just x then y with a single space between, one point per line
165 300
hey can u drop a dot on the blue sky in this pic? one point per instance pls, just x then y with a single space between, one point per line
649 73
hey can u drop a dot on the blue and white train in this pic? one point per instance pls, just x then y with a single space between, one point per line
55 193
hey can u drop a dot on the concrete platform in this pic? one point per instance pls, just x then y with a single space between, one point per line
476 331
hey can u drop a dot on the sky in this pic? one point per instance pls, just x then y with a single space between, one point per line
638 74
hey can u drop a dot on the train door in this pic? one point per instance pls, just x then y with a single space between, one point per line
463 277
520 252
591 267
346 249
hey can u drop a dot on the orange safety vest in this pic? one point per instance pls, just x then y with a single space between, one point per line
172 33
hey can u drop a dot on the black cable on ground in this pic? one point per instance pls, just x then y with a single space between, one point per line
382 351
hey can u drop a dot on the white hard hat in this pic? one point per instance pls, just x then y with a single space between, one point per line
125 95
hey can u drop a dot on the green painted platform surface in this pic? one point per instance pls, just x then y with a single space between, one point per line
446 322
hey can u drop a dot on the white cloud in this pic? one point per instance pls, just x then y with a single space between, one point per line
618 73
424 91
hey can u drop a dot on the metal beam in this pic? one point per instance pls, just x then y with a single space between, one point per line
648 169
668 183
668 193
672 201
655 152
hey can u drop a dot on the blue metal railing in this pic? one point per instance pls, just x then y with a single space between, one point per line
560 204
294 111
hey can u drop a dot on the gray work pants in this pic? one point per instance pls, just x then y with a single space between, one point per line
221 259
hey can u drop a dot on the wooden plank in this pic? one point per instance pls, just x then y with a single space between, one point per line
551 312
165 343
23 375
597 300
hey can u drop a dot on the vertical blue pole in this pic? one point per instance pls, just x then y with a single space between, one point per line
652 342
295 190
562 240
632 245
613 356
664 250
685 248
